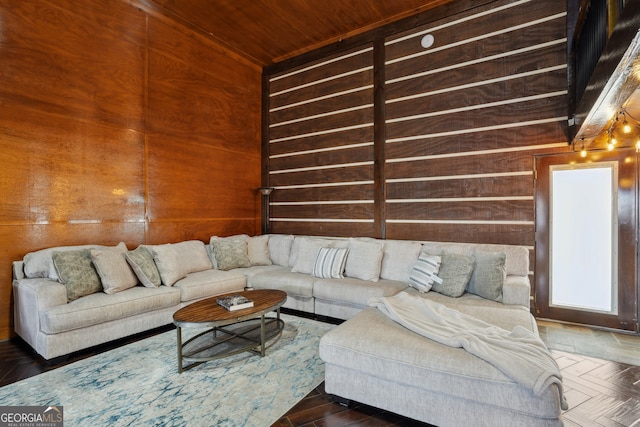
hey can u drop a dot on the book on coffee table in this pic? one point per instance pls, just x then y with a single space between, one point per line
235 302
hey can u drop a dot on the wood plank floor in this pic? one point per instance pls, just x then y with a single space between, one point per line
599 392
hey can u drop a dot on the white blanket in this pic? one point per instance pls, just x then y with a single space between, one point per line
519 354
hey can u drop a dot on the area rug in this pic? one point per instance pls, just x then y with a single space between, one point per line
139 384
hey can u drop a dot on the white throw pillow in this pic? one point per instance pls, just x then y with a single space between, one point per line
330 263
425 271
193 256
364 260
113 269
168 262
258 249
399 257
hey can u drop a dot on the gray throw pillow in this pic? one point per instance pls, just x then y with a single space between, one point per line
455 272
231 252
489 275
142 264
76 273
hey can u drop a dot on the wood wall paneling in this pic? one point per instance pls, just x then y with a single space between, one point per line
119 126
463 121
320 144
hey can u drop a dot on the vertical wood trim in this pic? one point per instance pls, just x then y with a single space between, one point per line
264 175
145 117
379 136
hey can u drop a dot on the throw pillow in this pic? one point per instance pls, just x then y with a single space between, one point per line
193 256
167 260
141 261
424 272
330 263
488 275
364 260
455 272
113 269
76 273
258 250
231 252
399 257
280 249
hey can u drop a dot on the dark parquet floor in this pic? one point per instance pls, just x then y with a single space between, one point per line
599 392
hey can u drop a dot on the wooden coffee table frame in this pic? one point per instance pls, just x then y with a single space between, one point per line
231 332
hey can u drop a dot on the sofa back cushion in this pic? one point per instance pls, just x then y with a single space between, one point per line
517 257
39 264
364 260
280 249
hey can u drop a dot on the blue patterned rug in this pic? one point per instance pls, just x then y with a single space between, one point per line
139 384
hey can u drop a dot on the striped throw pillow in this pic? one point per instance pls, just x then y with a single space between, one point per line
425 272
330 263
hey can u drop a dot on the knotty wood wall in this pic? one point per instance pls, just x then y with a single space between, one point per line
385 138
117 124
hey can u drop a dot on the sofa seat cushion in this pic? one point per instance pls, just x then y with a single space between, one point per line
251 272
372 343
99 308
355 291
297 284
208 283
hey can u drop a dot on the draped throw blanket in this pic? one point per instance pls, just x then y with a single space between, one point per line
519 354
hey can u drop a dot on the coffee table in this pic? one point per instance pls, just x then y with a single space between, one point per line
231 332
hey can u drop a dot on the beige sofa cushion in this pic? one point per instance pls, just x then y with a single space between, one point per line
100 308
355 291
280 249
209 283
365 259
39 264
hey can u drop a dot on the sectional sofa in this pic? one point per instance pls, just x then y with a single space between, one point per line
71 298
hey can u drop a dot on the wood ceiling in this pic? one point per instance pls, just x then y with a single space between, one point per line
268 31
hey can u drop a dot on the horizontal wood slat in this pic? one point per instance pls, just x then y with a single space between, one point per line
479 142
468 232
487 186
494 211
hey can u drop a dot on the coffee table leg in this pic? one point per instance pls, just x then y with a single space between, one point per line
179 332
262 336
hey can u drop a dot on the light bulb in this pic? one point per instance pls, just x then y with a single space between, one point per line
610 146
625 127
638 145
613 141
583 152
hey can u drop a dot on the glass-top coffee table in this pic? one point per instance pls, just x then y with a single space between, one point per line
231 332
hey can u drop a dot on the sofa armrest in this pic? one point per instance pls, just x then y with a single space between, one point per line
31 297
517 290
